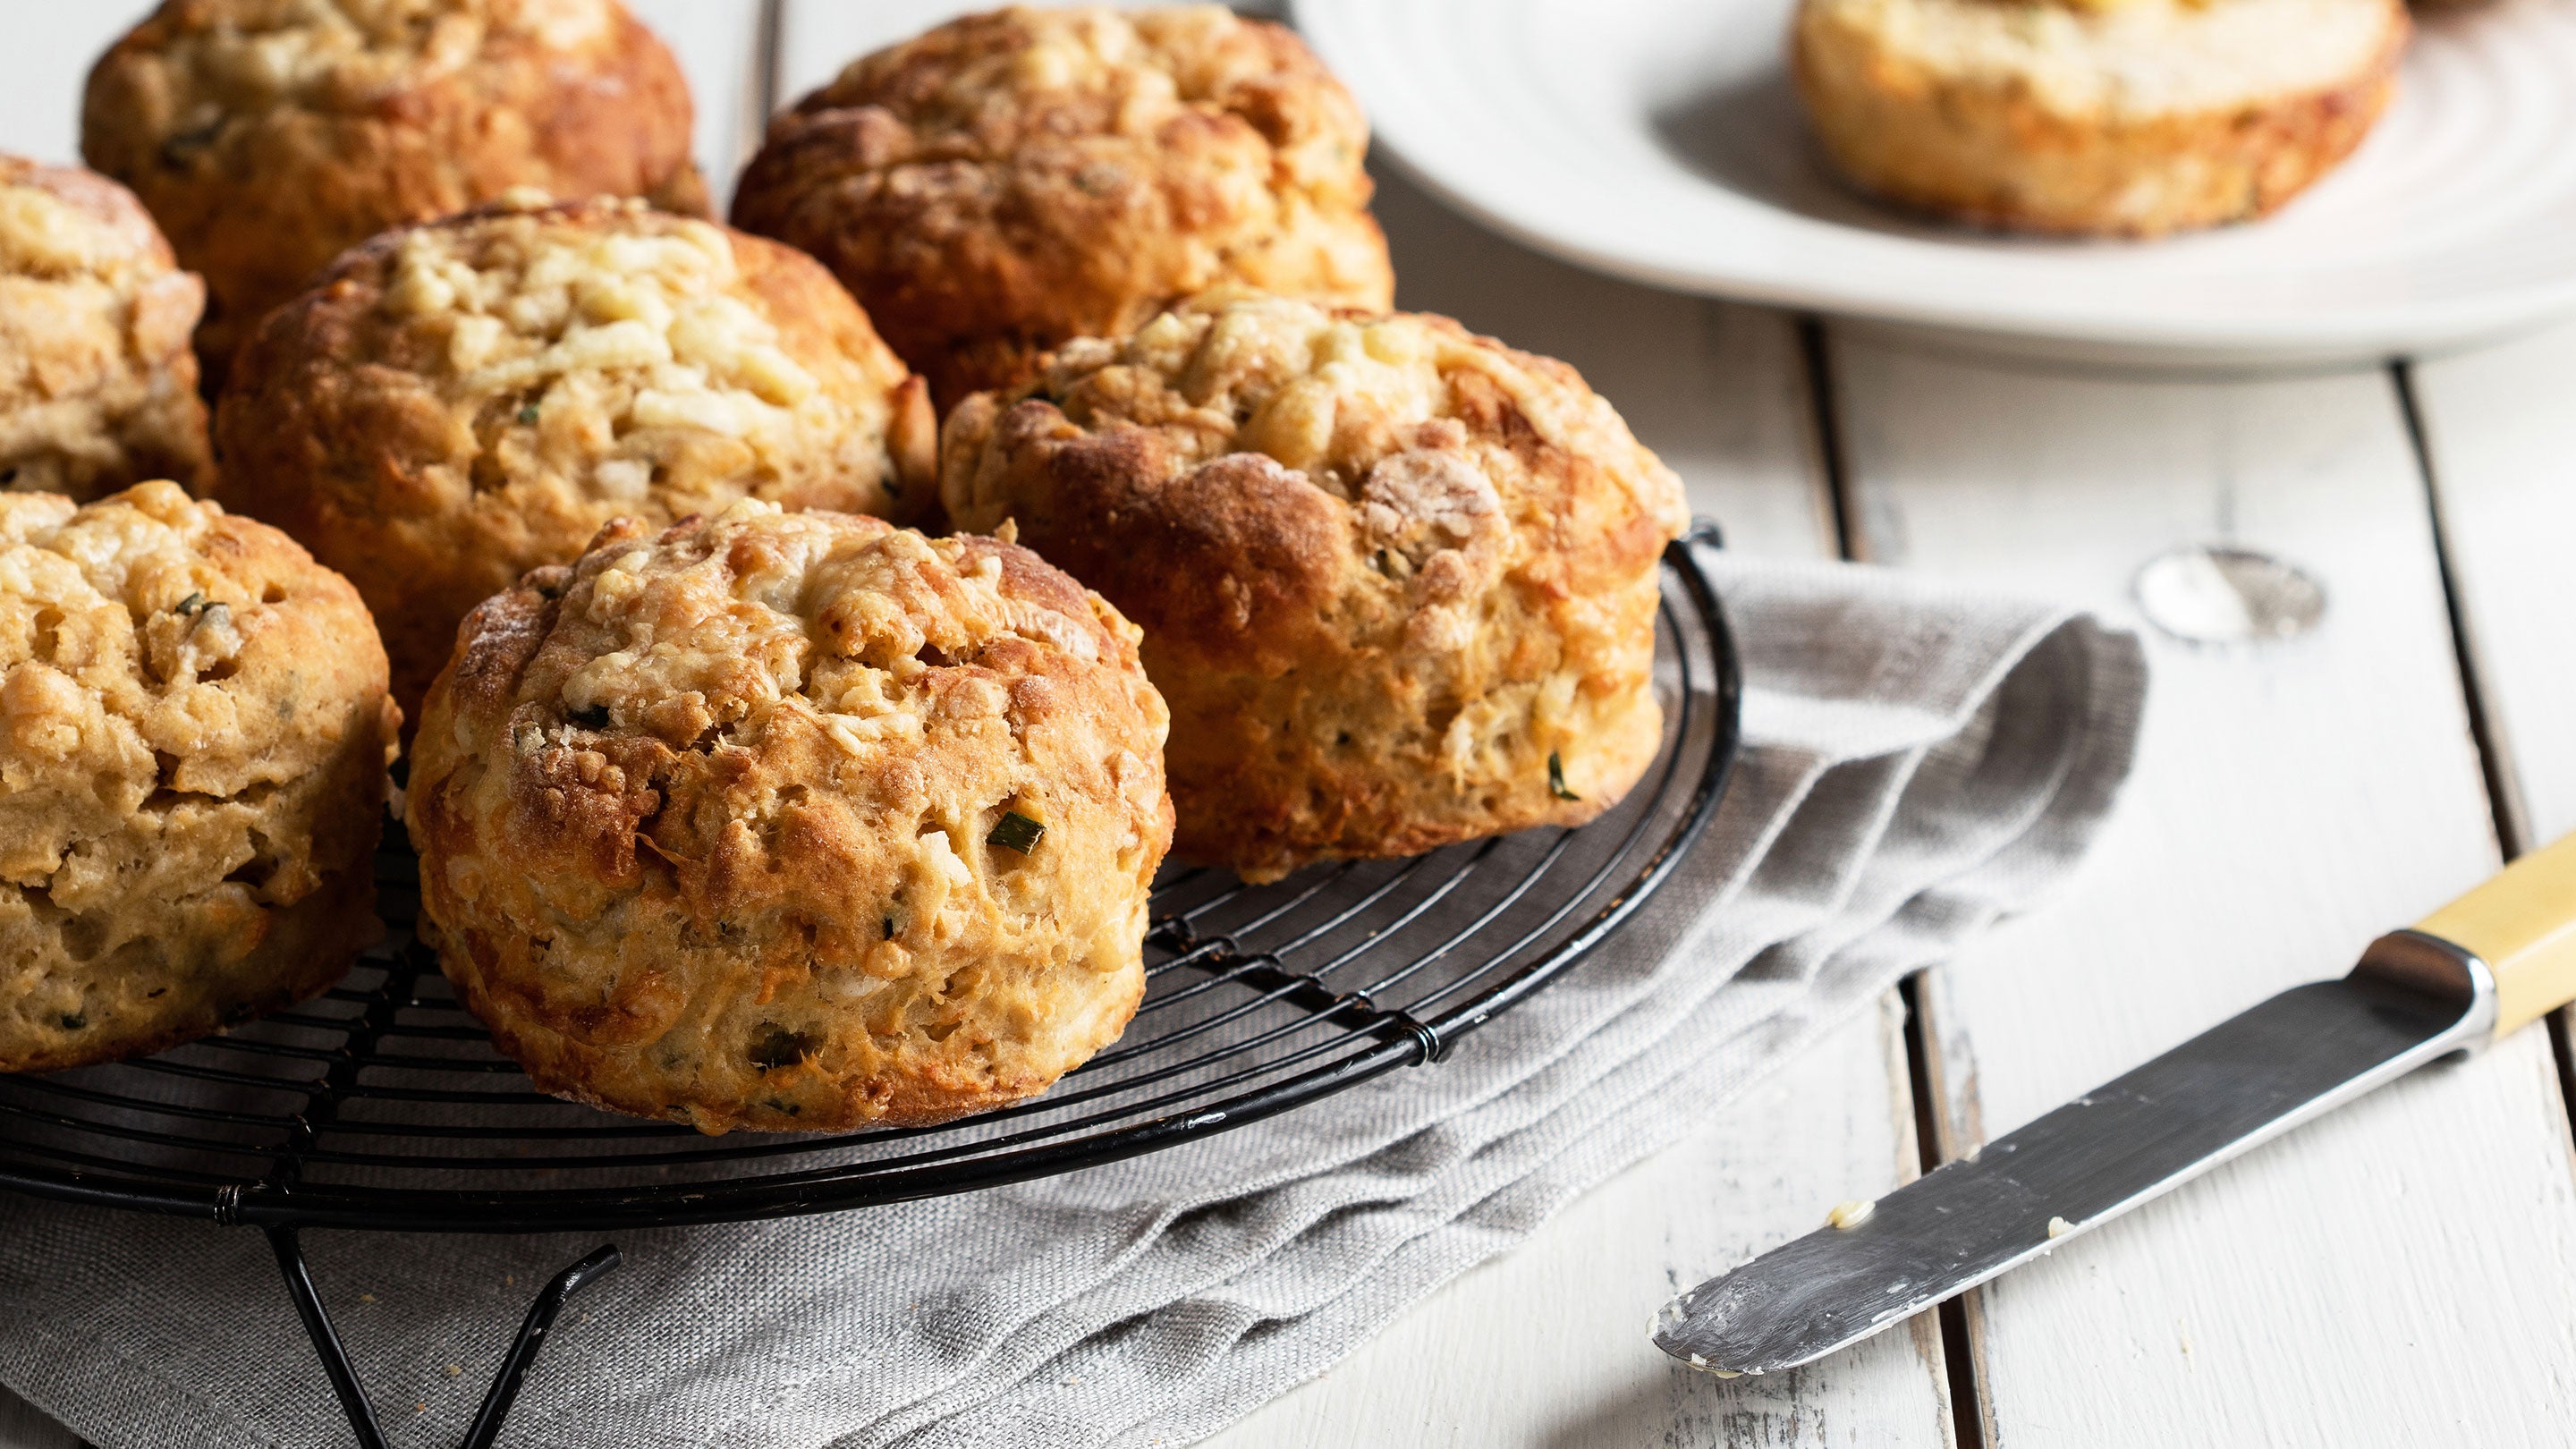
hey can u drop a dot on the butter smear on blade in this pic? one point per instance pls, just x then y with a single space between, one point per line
1850 1214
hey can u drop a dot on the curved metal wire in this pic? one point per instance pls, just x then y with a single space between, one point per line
381 1104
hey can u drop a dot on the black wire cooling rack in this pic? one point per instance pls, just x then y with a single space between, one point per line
382 1104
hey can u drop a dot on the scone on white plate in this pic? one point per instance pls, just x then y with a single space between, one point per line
2113 117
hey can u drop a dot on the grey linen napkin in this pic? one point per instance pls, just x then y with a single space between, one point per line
1917 761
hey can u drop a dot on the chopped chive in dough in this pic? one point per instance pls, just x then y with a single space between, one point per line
75 1020
1556 778
180 151
1015 831
528 415
189 605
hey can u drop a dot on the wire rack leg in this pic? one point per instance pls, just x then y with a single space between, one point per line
326 1339
532 1336
505 1384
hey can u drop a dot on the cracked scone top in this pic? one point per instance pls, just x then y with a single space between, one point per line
457 403
270 135
193 740
2121 117
98 385
793 821
1011 180
1397 582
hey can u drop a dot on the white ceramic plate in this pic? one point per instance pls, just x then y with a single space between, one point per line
1660 140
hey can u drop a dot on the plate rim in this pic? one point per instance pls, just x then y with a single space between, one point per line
2357 334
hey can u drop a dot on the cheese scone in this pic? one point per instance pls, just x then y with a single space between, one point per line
98 387
1012 180
2114 118
193 740
793 821
1398 582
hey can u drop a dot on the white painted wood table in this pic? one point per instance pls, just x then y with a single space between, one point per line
2403 1273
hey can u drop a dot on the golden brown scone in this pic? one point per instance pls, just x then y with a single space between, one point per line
1012 180
271 135
2117 117
1398 583
193 740
98 388
460 402
720 825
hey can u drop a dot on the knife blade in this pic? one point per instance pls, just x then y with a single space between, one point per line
2479 968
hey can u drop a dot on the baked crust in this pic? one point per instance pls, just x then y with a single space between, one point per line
2137 118
1012 180
194 732
98 387
1387 570
459 402
706 822
268 136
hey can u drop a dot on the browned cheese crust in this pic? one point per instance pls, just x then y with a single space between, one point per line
98 387
193 739
271 135
460 402
707 822
1386 570
2106 118
1012 180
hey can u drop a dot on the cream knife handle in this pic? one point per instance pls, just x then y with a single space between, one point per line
2523 925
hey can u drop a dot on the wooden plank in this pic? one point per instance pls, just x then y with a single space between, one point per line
2500 432
2292 800
2499 440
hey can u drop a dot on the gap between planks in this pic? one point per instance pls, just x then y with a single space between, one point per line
2498 442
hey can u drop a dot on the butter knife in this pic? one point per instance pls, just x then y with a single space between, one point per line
2483 966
